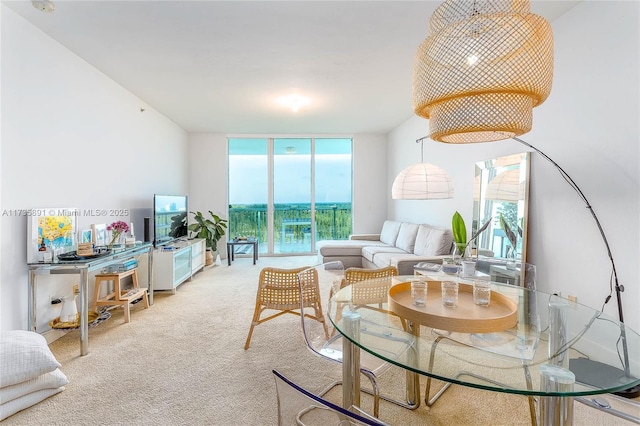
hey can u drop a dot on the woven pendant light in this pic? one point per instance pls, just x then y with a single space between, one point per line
483 67
422 181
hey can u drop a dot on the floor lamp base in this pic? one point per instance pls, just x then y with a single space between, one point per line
592 372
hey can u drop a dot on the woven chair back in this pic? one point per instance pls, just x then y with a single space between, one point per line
375 284
278 289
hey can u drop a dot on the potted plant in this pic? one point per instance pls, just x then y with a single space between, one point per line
460 234
212 230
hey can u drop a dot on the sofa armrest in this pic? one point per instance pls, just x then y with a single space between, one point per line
368 237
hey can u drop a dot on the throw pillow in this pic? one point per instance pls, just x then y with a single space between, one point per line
51 380
26 401
24 355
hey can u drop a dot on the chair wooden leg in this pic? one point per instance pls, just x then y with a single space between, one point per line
255 321
320 318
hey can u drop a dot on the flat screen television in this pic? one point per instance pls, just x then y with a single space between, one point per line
169 218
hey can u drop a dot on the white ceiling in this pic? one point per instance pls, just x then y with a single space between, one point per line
217 66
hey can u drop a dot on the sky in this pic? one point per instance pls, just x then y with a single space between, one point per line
292 179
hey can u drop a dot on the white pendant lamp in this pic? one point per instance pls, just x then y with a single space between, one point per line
422 181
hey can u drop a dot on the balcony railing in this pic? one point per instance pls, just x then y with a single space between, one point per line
291 221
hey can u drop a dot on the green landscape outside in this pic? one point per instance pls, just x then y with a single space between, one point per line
333 221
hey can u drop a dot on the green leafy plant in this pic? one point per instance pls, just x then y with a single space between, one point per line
212 230
460 232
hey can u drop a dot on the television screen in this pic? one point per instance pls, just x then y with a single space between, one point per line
169 218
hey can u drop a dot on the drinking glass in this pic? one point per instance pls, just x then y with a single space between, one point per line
450 294
481 293
419 292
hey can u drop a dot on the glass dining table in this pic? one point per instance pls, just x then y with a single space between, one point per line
525 342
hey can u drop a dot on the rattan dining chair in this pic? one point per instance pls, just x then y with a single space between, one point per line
381 275
331 275
352 275
278 290
298 406
378 282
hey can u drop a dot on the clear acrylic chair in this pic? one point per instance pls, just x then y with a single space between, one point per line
330 276
298 406
509 343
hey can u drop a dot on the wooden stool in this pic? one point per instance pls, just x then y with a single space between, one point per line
119 296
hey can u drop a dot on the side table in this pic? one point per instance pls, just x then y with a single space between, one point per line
231 249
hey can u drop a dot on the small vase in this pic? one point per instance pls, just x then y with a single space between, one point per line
115 240
457 255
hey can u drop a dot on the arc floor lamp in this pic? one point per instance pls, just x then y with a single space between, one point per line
483 67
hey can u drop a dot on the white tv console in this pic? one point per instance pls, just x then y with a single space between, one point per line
172 267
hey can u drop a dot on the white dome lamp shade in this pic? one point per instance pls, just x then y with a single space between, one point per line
422 181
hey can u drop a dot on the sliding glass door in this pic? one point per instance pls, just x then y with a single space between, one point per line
288 193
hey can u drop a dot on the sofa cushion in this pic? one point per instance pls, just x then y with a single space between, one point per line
404 262
370 252
345 247
389 232
407 236
382 260
433 241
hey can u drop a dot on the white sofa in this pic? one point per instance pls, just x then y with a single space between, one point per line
399 244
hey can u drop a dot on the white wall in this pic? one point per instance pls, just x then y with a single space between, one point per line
71 137
208 177
589 125
370 193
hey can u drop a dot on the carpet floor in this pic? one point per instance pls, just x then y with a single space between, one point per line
182 362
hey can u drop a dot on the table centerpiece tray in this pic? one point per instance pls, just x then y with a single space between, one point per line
467 317
73 256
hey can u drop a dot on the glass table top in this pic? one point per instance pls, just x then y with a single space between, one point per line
549 331
104 254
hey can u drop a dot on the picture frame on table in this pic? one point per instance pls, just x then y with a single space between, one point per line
86 236
99 234
50 231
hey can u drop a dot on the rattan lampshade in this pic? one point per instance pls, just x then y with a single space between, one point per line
483 67
422 181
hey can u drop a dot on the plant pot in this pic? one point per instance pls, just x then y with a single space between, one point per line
208 258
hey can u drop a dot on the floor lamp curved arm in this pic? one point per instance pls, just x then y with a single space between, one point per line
618 288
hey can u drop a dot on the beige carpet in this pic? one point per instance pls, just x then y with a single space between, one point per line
182 362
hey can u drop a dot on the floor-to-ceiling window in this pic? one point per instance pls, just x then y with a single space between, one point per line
290 193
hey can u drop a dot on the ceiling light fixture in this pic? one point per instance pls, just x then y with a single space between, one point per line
422 181
294 101
44 5
483 67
